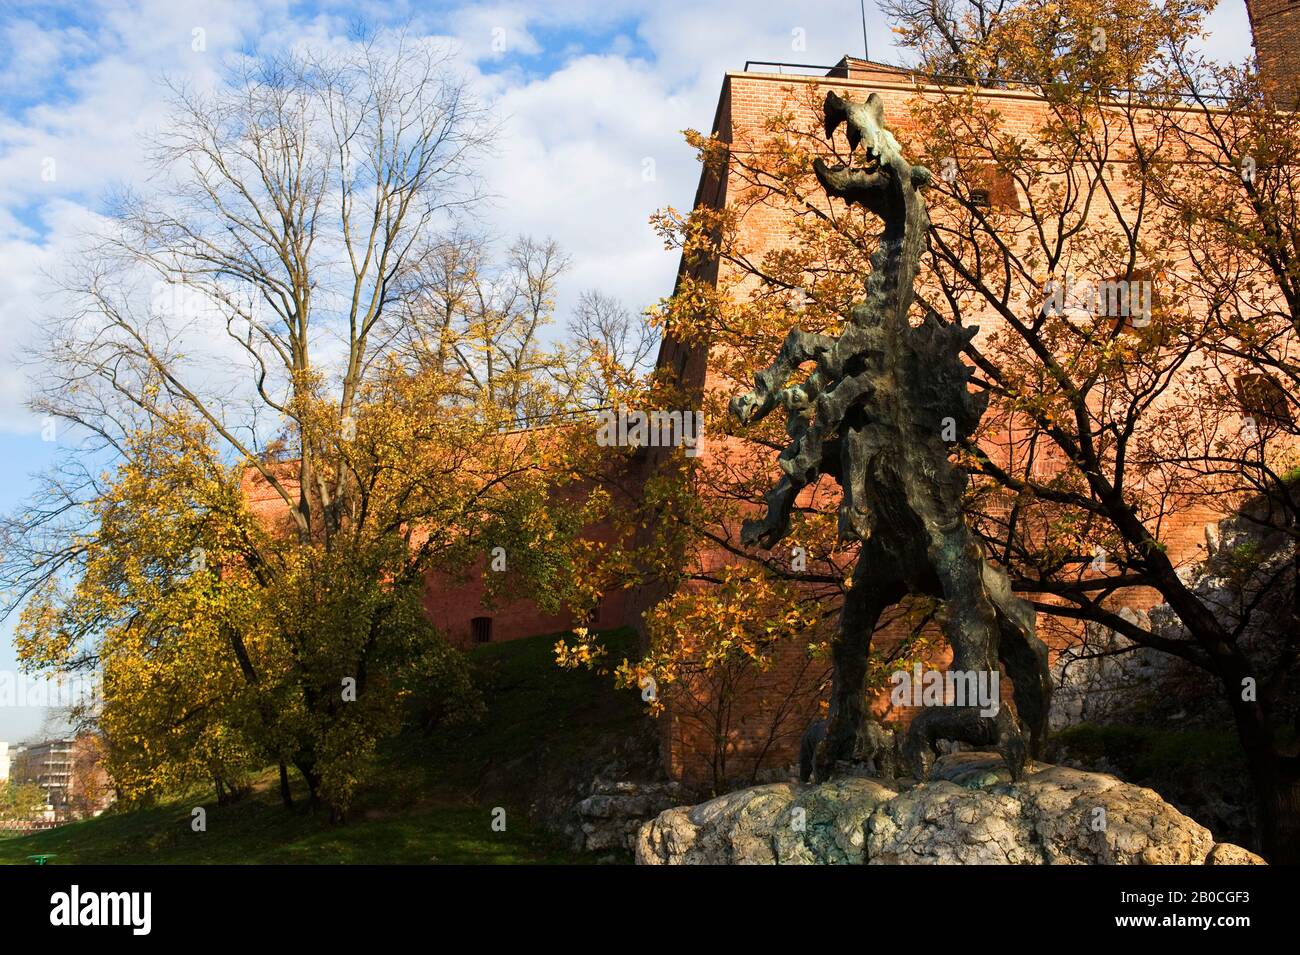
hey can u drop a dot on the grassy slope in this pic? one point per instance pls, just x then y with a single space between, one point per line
422 805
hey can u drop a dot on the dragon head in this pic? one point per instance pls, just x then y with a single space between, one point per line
885 183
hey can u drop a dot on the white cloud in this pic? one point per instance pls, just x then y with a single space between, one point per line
495 32
586 155
26 297
580 125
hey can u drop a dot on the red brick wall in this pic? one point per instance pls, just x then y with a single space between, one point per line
453 604
746 101
1275 25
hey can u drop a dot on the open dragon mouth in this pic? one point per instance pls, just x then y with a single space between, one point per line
870 161
876 175
866 184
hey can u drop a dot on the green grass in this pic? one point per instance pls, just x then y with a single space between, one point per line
535 705
424 803
1143 753
259 830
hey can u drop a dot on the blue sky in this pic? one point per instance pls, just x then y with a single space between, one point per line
587 90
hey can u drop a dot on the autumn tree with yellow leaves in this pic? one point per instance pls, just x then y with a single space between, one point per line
299 388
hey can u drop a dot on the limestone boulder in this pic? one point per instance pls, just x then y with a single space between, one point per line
968 812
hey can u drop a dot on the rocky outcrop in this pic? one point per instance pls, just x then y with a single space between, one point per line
1246 579
1105 676
967 812
783 823
1225 853
612 815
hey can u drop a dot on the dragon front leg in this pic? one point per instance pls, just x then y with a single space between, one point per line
802 459
769 384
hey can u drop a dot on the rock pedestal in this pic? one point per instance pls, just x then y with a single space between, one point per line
968 812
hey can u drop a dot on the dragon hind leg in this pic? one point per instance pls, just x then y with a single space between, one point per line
873 589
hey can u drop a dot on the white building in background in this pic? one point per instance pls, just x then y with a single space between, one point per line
4 761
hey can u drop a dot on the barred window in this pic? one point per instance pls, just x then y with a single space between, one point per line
994 188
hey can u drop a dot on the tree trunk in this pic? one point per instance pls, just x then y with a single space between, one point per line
308 773
1275 781
285 795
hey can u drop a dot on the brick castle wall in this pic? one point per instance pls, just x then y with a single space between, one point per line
747 101
1275 26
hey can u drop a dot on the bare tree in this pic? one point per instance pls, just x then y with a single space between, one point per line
490 319
947 34
510 333
484 318
608 348
254 283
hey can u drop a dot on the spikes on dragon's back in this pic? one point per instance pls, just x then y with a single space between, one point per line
937 377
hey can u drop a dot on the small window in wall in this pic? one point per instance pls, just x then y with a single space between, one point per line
480 629
1131 298
1263 399
994 188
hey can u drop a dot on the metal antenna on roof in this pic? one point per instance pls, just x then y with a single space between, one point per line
866 52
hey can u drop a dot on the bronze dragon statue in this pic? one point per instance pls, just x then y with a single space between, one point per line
881 413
